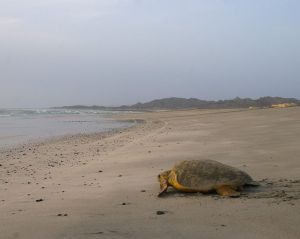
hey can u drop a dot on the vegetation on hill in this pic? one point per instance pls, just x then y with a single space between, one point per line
183 103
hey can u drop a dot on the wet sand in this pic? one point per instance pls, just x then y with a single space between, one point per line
105 186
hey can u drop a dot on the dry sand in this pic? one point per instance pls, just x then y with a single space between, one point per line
105 186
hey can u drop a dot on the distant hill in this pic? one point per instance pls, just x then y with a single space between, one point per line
183 103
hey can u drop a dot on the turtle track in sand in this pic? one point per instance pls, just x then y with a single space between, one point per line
281 190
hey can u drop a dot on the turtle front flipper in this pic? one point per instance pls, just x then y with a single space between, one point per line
227 191
163 180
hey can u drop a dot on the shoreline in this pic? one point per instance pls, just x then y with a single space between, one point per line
107 186
34 126
39 141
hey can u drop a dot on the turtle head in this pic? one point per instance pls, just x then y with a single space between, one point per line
163 179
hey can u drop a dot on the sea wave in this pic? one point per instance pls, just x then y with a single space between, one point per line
32 112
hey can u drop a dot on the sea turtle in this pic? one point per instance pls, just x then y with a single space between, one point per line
205 176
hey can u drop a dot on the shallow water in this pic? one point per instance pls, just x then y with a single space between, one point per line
19 126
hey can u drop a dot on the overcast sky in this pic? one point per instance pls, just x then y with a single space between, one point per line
113 52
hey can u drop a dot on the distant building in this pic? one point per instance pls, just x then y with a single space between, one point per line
283 105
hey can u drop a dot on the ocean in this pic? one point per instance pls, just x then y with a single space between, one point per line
18 126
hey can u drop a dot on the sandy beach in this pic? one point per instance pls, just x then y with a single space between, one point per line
105 185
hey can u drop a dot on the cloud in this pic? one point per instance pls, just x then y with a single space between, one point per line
7 22
16 34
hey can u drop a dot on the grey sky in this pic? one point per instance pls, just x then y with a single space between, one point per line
112 52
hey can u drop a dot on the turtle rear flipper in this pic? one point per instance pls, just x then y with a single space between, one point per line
227 191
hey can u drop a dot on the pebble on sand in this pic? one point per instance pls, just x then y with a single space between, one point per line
160 212
62 214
